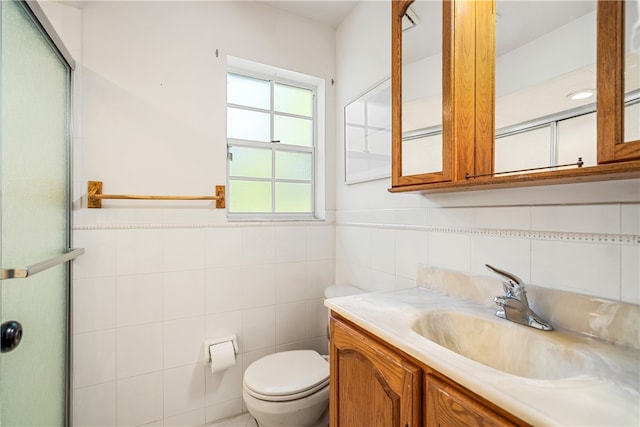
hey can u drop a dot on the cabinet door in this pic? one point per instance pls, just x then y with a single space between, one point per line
370 384
618 77
449 406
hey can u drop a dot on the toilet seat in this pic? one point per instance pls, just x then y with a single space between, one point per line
287 375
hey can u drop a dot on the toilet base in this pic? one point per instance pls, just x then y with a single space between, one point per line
322 422
311 411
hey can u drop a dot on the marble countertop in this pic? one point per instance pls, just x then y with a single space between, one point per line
605 393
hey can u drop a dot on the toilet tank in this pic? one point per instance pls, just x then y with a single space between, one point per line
335 291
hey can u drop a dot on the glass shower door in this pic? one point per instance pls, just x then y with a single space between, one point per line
34 220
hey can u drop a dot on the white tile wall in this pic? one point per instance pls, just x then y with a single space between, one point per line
139 252
139 299
584 218
98 308
577 267
511 254
258 285
183 340
567 247
95 358
223 247
187 419
450 250
223 289
184 389
631 274
138 350
507 217
383 250
139 333
139 399
184 294
95 405
411 250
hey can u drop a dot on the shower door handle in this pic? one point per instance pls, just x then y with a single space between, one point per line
30 270
10 336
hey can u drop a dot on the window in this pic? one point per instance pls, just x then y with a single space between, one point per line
271 141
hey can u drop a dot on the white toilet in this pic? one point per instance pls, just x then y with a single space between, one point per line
291 388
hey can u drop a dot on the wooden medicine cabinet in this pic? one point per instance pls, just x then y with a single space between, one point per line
483 93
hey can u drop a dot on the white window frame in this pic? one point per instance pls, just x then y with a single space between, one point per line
317 85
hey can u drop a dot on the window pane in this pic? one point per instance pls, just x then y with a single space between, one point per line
248 91
577 138
291 165
293 131
249 196
292 197
250 162
293 100
530 149
249 125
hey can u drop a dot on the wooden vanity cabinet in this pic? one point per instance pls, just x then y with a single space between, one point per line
449 405
375 385
371 385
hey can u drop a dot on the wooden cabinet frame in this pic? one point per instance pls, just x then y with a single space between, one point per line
370 384
469 126
398 9
610 102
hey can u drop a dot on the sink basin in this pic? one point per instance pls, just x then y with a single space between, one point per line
503 345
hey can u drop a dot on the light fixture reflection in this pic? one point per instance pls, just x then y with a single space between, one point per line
581 94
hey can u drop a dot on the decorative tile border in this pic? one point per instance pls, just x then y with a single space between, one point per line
192 226
601 238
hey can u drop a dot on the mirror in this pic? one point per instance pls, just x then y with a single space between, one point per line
422 88
367 135
632 72
545 84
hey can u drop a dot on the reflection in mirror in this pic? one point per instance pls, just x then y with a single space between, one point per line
545 84
632 72
422 88
367 127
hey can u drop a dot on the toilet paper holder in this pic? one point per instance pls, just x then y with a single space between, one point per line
213 341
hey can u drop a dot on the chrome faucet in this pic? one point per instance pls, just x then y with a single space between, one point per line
515 306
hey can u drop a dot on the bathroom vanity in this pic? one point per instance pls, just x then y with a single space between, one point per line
436 355
374 384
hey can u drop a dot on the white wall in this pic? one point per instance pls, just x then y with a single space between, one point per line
582 238
160 277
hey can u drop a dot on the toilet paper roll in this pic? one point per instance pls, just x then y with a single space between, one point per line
222 356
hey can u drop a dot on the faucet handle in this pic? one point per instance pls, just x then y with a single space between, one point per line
513 285
511 279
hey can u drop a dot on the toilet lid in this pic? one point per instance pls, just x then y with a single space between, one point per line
287 375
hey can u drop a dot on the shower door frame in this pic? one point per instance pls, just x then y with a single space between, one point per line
47 29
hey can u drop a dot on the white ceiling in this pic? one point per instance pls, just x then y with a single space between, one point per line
328 12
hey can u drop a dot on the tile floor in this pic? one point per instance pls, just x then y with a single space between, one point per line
244 420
